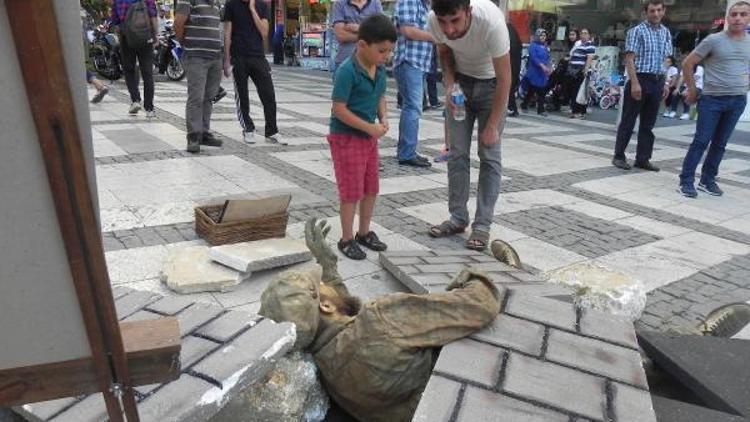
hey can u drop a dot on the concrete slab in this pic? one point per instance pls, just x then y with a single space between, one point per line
190 270
260 255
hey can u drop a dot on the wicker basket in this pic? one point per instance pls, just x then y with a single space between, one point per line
266 227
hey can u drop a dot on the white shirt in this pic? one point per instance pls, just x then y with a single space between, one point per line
487 38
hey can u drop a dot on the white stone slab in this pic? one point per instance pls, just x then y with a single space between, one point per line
261 254
190 270
544 256
654 227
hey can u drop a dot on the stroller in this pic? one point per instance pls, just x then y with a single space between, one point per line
290 51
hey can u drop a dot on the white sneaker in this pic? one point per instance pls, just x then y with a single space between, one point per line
666 114
276 139
685 116
672 114
249 137
134 107
151 114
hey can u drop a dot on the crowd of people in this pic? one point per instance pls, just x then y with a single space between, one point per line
479 53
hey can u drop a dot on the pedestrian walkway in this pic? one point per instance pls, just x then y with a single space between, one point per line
561 203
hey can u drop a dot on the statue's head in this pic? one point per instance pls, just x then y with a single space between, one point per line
295 297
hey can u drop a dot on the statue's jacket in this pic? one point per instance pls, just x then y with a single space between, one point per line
377 364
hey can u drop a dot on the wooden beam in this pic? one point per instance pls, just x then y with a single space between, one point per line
152 349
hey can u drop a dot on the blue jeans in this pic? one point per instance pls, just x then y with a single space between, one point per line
717 117
410 82
479 95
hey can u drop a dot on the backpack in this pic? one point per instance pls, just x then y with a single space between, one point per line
137 25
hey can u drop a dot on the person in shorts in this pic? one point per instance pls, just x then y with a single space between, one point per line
358 100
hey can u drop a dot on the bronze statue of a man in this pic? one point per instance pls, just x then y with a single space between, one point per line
376 359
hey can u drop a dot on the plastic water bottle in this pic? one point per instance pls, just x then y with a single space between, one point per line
459 101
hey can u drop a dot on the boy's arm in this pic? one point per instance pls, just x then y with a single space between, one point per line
383 112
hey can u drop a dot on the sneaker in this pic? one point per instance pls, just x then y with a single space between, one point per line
210 140
422 158
672 114
248 137
710 188
371 241
621 163
276 139
100 95
646 166
687 190
685 116
151 114
135 106
666 114
351 249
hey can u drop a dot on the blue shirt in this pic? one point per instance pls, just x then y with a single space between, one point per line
538 56
353 86
345 12
650 45
416 53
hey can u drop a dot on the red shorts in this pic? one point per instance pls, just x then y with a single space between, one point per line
356 164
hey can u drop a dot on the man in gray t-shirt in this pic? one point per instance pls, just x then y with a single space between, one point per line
345 18
726 60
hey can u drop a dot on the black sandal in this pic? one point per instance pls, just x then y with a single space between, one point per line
351 250
446 228
371 241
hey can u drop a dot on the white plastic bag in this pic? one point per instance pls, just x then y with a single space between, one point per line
582 98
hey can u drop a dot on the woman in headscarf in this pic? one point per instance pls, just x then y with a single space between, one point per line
537 71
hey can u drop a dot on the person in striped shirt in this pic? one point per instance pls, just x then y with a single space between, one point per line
197 27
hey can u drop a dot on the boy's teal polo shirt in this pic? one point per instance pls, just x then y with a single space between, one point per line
353 86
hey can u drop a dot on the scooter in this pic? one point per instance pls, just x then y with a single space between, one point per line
104 52
167 56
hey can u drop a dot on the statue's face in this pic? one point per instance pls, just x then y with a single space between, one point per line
344 305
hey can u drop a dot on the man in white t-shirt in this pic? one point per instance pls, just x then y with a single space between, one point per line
473 45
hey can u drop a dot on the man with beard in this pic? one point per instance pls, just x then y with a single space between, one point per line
375 360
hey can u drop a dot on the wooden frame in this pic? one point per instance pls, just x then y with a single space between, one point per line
151 347
152 350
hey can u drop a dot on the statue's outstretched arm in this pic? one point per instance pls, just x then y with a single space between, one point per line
316 231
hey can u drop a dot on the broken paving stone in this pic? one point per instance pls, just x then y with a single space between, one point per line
260 255
597 287
190 270
290 392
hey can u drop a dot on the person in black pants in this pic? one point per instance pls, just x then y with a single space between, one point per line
646 47
515 68
245 29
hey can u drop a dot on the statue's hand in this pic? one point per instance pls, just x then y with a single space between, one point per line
315 236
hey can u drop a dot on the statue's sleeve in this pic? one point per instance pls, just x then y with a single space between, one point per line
435 319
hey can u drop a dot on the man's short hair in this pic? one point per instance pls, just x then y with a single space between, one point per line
652 3
448 7
376 29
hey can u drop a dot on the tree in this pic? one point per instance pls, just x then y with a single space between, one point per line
97 9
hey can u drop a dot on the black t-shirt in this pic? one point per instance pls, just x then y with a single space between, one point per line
246 38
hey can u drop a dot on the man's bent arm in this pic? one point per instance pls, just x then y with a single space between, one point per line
260 23
416 34
343 34
179 26
448 63
227 40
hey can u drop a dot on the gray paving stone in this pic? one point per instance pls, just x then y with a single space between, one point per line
142 315
607 327
133 302
185 399
432 279
471 360
171 305
90 409
195 316
409 260
44 410
448 260
227 325
596 356
556 386
632 404
194 348
547 311
438 400
483 405
255 348
513 333
401 254
451 269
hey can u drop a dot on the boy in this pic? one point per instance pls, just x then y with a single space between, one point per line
358 98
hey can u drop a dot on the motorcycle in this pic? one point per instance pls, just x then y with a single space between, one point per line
104 52
167 56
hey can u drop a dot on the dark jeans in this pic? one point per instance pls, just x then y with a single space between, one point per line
257 69
717 117
540 92
145 57
575 83
648 108
432 92
512 107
